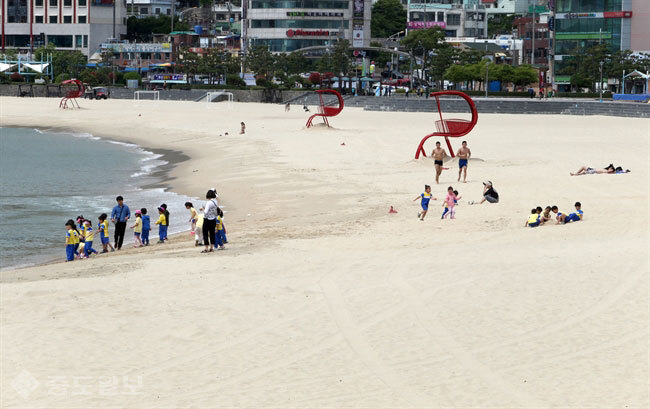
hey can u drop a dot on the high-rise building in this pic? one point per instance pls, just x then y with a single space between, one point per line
288 25
69 24
458 18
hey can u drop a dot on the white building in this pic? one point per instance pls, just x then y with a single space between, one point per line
147 8
69 24
506 6
457 20
288 25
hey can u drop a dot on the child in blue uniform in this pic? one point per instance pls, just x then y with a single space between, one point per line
146 226
71 238
89 235
533 219
574 217
102 226
425 198
221 231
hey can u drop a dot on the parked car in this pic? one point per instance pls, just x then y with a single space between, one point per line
96 93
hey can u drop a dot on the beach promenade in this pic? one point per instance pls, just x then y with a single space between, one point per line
325 300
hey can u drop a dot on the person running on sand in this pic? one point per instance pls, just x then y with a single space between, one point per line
438 154
591 171
449 204
463 156
426 197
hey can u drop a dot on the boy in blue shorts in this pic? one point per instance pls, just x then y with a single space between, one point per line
463 155
146 226
574 217
533 219
102 226
425 197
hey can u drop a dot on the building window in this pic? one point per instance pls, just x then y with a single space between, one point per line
302 4
67 19
144 10
85 41
453 19
78 41
38 19
53 3
81 3
316 24
81 19
60 40
53 20
157 10
169 12
38 3
67 3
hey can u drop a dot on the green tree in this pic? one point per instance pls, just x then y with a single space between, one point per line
422 43
388 18
444 58
261 62
524 75
500 24
70 62
142 29
458 74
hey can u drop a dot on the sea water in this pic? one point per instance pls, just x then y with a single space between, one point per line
48 177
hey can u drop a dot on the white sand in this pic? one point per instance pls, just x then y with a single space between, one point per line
323 299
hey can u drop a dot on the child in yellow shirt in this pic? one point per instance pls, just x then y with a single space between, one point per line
137 229
162 225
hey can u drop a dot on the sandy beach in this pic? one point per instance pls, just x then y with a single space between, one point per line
325 300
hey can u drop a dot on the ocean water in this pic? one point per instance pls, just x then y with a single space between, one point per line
48 177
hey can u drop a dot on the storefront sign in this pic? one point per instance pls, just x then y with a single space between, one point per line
607 14
313 14
308 33
171 78
137 47
415 25
357 36
359 9
428 6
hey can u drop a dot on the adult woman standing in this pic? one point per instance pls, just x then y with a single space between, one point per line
209 221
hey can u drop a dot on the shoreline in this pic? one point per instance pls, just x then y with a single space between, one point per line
158 175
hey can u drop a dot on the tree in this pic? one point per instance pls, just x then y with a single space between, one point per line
142 29
70 62
388 18
524 75
500 24
445 57
421 43
261 61
458 74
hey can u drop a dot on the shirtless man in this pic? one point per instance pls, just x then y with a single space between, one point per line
438 154
463 155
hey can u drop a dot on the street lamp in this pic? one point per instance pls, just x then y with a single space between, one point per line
601 80
487 69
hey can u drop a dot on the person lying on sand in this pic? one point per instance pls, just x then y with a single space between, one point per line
590 171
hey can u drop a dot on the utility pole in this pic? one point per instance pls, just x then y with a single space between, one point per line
487 69
173 15
532 53
601 80
115 38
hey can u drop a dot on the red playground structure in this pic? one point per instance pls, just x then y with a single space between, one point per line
325 110
450 128
72 95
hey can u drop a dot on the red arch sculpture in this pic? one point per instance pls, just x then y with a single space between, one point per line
450 128
324 110
72 95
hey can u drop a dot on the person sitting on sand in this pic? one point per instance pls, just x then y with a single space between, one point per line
584 170
546 215
559 216
574 217
489 194
533 219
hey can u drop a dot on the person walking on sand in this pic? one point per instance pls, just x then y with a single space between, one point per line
243 129
210 213
438 154
463 156
119 216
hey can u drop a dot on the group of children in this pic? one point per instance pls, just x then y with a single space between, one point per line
196 229
449 204
80 235
538 216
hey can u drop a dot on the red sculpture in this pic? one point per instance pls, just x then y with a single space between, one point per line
450 127
72 95
324 110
